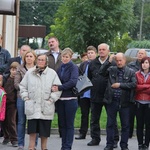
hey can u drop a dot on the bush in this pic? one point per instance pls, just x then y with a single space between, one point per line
139 44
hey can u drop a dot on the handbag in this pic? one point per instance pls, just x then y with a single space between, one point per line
83 84
2 105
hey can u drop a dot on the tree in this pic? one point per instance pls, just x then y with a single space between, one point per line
80 23
38 13
134 32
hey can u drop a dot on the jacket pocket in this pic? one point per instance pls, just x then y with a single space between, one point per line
48 108
29 107
46 95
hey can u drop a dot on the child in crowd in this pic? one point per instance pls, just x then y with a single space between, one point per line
2 103
9 124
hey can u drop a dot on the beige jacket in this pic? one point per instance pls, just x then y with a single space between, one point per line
37 88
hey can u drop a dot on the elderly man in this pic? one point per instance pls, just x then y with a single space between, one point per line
118 96
97 74
135 65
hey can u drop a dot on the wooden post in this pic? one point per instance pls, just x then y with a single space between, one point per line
17 27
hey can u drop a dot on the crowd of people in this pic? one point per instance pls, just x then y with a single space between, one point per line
35 87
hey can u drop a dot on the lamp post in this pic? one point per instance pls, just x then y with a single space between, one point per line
141 20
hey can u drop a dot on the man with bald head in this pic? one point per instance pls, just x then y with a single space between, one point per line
118 96
135 65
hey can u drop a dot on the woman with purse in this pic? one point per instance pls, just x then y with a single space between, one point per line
67 104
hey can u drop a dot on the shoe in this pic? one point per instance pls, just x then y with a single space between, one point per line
80 137
14 143
145 147
115 144
125 148
5 141
140 147
20 148
108 148
93 142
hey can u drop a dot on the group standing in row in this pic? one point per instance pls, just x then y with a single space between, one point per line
42 80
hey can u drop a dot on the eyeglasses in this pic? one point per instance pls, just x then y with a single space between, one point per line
41 60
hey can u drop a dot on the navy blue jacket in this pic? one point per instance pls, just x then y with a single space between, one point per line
68 77
4 57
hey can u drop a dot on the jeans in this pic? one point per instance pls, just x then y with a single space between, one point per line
21 128
112 110
21 122
66 112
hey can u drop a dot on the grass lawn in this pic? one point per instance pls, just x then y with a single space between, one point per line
78 116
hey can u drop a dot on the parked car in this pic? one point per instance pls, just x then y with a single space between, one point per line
132 52
40 51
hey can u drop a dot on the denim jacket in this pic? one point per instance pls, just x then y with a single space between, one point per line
4 57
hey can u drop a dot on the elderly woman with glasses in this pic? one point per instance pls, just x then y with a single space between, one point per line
35 90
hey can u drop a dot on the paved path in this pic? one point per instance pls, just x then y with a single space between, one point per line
54 143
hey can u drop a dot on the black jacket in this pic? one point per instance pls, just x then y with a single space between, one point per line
135 65
127 86
97 75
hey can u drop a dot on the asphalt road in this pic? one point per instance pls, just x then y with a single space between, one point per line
54 143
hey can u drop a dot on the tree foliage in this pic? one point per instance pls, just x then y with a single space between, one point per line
139 44
38 13
80 23
121 42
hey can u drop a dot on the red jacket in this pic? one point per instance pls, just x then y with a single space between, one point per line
142 88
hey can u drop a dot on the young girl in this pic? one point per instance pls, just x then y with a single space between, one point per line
142 97
2 103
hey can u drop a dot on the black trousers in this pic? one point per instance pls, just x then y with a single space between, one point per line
143 123
132 119
96 110
85 110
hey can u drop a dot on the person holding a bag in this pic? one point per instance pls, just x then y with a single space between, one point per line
84 99
67 104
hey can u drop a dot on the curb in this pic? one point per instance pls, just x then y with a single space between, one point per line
76 131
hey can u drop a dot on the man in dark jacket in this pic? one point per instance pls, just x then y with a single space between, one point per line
54 62
118 96
4 57
97 74
54 54
135 65
19 59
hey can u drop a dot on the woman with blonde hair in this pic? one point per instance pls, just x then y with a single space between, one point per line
29 61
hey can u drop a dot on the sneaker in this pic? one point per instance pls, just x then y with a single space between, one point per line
20 148
14 143
5 141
